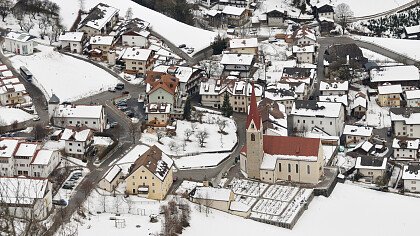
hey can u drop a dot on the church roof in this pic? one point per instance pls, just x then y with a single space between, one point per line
253 111
291 146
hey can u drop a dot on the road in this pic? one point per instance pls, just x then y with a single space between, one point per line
385 13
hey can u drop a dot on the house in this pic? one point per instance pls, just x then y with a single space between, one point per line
25 197
411 32
213 17
343 99
44 162
237 63
273 158
276 16
371 168
236 16
389 95
333 87
100 47
13 92
8 146
150 175
299 75
328 116
356 134
405 148
282 93
111 179
406 121
208 3
236 3
349 55
138 60
19 43
92 117
189 77
78 141
412 97
158 114
72 41
100 20
406 76
304 54
411 177
23 157
161 88
326 11
135 33
326 25
217 198
359 105
246 46
273 117
303 36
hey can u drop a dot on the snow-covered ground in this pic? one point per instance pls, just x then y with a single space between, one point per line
67 77
102 141
174 31
376 57
409 48
10 115
205 160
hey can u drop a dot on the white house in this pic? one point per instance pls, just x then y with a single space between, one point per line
389 95
406 76
234 62
304 54
26 197
19 43
7 150
333 87
44 162
158 114
138 60
371 168
412 97
136 33
23 157
111 179
356 134
13 92
218 198
405 148
406 121
327 116
326 11
101 47
247 46
304 36
100 20
411 177
72 40
92 117
78 141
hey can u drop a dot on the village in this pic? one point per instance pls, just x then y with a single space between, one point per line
289 117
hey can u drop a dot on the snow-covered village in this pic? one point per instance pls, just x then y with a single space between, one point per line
209 117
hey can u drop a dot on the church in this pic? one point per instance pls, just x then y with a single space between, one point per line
279 158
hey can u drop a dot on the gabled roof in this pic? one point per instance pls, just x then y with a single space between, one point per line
19 36
136 53
243 43
71 36
325 8
411 171
291 146
156 80
99 16
254 114
371 162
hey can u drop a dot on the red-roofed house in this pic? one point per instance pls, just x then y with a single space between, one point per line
273 158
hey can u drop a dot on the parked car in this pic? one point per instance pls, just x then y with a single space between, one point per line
389 132
129 113
182 45
68 186
120 86
190 50
125 92
60 202
112 90
122 103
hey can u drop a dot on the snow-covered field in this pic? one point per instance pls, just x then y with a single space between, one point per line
10 115
200 161
174 31
409 48
67 77
102 141
376 57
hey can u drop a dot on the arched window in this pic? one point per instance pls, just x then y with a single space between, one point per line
252 137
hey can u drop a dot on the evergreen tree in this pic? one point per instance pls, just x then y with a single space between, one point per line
187 110
219 45
227 109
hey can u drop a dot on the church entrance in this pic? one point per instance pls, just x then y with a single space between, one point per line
289 178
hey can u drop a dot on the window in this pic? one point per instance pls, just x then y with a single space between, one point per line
297 168
252 137
279 167
141 177
330 122
413 182
252 126
289 167
71 144
153 184
308 169
94 122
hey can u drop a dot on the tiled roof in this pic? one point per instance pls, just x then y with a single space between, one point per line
253 111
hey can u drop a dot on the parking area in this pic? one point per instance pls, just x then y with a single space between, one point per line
67 188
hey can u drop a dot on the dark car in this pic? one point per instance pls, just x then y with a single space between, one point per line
129 113
120 86
389 132
68 186
182 46
125 92
60 202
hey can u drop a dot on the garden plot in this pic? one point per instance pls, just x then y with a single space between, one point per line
243 203
270 207
247 187
281 193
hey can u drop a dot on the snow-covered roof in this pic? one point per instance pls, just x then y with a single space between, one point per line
136 53
19 36
359 101
304 32
99 16
8 147
42 157
406 143
215 194
334 85
112 173
371 163
411 171
76 134
390 89
71 36
158 108
101 40
237 59
239 206
235 11
78 111
22 190
303 49
316 109
183 73
157 162
26 149
335 98
415 29
243 43
358 130
409 116
412 94
212 12
394 73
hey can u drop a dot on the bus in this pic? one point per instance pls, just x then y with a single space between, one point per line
26 73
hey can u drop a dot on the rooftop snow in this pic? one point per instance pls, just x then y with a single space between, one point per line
372 163
43 157
19 36
243 43
26 149
8 147
71 36
99 16
101 40
410 118
358 130
411 171
136 53
406 143
183 73
394 73
22 190
334 86
412 94
237 59
390 89
335 98
112 173
359 101
316 109
230 10
79 111
70 134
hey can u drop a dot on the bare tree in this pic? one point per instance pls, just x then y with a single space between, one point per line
343 13
118 203
103 202
173 146
208 204
39 131
130 204
129 14
2 126
44 24
198 115
82 5
160 134
201 136
135 129
222 123
26 25
5 8
15 125
187 134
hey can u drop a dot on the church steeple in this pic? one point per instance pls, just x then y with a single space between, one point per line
253 114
